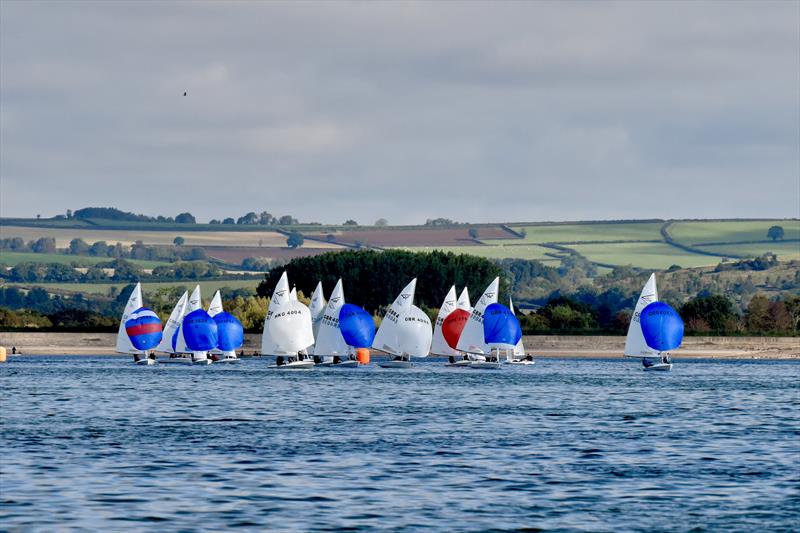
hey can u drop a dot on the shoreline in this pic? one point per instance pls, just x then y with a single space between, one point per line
540 346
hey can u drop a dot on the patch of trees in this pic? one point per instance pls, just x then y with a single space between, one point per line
295 240
43 245
374 279
110 213
441 222
775 233
116 270
763 262
262 219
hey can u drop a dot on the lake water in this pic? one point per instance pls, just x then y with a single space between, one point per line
96 443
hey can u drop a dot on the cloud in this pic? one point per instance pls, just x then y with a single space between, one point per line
404 110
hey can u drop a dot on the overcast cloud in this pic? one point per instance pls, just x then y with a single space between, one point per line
408 111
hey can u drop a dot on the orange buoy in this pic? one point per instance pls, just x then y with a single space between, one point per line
362 354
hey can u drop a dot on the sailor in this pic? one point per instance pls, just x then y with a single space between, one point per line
646 362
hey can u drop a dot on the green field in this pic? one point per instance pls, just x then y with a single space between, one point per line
628 231
643 255
691 233
208 287
522 251
15 258
786 251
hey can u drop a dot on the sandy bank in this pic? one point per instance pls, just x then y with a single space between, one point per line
540 346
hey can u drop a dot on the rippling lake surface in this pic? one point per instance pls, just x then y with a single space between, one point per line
96 443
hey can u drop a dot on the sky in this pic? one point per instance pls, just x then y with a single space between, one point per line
328 111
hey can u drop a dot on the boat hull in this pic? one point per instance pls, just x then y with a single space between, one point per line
462 363
485 365
395 364
175 361
523 362
145 362
296 365
660 367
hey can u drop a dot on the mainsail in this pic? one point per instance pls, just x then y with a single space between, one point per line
124 344
414 333
386 339
329 340
194 303
635 345
173 324
287 326
439 345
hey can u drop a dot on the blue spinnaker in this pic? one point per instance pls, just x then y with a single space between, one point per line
199 331
662 327
501 328
230 333
356 326
144 329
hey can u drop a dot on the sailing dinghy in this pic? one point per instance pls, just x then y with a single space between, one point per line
402 332
230 334
662 327
169 340
197 343
635 343
517 356
471 340
330 348
358 330
139 330
501 331
288 331
452 324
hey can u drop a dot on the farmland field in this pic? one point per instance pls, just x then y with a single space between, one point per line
629 231
643 254
452 236
15 258
785 251
691 233
523 251
207 287
191 238
235 254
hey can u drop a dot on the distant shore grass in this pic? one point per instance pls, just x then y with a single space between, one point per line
15 258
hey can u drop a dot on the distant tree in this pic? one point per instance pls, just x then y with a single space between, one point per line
473 232
715 310
440 222
248 219
214 221
229 220
196 254
330 237
266 219
69 214
381 222
358 244
350 222
38 217
775 233
756 318
295 240
78 247
185 218
44 245
178 241
287 220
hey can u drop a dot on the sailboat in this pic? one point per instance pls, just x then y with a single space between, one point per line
330 348
198 356
517 356
358 331
139 330
288 331
635 343
402 332
169 340
501 331
439 344
449 326
317 308
471 340
230 334
662 327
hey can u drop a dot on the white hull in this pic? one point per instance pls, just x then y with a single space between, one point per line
663 367
350 363
202 362
395 364
485 365
461 363
145 362
227 360
297 365
521 362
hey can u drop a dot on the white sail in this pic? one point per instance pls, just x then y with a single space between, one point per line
124 344
471 339
194 303
279 297
293 294
439 345
635 345
386 337
215 307
463 300
290 328
173 324
317 307
519 349
414 333
329 340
